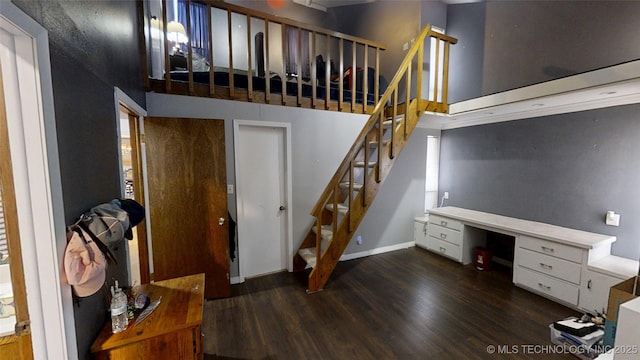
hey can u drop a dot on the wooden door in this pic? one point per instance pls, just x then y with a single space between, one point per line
13 344
188 200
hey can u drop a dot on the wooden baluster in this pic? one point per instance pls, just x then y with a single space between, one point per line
327 76
189 49
365 80
212 85
285 52
419 80
445 79
232 92
314 82
341 84
381 119
354 73
336 199
436 71
167 59
249 63
299 67
377 79
267 71
407 105
392 147
351 179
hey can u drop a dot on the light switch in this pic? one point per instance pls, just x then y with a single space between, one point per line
229 189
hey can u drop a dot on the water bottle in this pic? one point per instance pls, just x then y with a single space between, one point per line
119 321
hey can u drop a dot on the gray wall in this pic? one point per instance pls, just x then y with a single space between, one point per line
509 44
383 21
93 47
566 170
466 23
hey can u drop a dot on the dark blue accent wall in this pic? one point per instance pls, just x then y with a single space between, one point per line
93 48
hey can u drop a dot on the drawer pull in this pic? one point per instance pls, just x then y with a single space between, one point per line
443 236
589 284
443 223
544 287
547 249
443 250
545 266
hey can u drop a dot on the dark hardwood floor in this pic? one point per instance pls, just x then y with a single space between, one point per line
407 304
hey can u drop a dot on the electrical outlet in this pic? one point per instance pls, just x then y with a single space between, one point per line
446 195
359 240
229 189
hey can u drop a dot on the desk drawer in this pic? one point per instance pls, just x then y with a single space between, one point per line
444 248
556 267
445 222
446 234
547 285
550 248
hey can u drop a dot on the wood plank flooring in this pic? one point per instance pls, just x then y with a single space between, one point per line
407 304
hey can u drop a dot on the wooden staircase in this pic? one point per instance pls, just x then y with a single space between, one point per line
347 197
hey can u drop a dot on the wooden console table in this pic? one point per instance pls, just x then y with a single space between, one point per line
172 331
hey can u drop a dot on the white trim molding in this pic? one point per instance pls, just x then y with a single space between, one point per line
38 188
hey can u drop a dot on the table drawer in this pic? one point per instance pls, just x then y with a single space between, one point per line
550 265
547 285
446 234
551 248
445 248
445 222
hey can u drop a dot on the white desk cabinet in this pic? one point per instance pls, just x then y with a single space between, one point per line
420 232
548 268
570 266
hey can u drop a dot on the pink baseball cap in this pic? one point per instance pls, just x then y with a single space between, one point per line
84 264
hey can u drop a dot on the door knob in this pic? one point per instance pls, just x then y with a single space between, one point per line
282 207
221 221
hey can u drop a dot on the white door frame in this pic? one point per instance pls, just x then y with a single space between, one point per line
288 184
121 98
38 188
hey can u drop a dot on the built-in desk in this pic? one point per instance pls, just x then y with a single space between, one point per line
172 331
573 267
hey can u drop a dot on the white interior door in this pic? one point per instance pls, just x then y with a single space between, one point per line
263 192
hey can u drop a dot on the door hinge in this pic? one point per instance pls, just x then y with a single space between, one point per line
23 327
142 139
227 276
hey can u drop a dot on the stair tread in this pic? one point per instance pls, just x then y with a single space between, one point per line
326 232
309 256
362 164
356 186
342 209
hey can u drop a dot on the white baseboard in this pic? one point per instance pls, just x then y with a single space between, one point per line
379 250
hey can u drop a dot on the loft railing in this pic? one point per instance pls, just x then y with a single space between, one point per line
344 202
223 37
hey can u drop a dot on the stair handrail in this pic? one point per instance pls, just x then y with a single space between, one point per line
418 47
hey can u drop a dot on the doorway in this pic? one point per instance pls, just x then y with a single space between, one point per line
186 174
132 183
263 181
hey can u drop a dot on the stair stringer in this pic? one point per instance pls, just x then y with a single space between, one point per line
331 255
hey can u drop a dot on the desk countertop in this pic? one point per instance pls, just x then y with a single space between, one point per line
180 308
573 237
